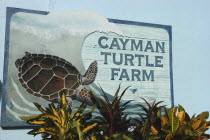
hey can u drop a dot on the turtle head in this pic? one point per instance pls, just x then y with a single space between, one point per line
90 74
18 63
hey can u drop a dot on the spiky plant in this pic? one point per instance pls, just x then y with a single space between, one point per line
60 123
113 122
148 124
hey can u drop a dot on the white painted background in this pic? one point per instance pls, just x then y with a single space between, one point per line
190 22
158 90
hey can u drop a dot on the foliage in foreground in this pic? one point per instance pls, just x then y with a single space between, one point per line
59 123
113 122
146 126
176 124
155 122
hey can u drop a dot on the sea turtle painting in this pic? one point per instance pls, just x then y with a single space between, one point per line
46 76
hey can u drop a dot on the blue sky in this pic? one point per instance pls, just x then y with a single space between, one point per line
190 22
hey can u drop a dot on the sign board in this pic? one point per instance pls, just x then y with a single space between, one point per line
47 53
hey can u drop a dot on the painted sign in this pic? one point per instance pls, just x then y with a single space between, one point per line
139 62
73 52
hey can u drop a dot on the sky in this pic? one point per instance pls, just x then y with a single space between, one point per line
190 22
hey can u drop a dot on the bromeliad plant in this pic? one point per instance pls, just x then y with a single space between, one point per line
60 123
113 122
174 124
148 123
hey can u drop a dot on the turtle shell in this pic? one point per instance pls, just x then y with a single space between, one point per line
46 76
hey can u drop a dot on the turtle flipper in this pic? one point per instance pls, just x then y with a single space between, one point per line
90 74
84 96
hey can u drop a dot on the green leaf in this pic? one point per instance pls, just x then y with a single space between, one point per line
81 137
123 93
193 117
37 122
144 109
26 118
117 100
164 121
189 131
115 135
124 104
159 113
80 110
105 97
117 92
87 115
144 129
126 137
195 123
187 117
48 115
169 137
39 108
166 112
181 116
112 114
101 118
135 121
100 104
52 108
49 130
146 102
203 115
180 108
63 101
155 137
154 105
173 120
200 131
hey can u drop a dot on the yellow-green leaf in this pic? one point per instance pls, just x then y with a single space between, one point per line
52 107
48 130
93 138
201 129
54 118
173 120
63 99
26 118
40 108
36 122
63 116
169 137
57 124
189 131
106 137
126 137
89 127
154 131
181 116
203 115
195 123
164 121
